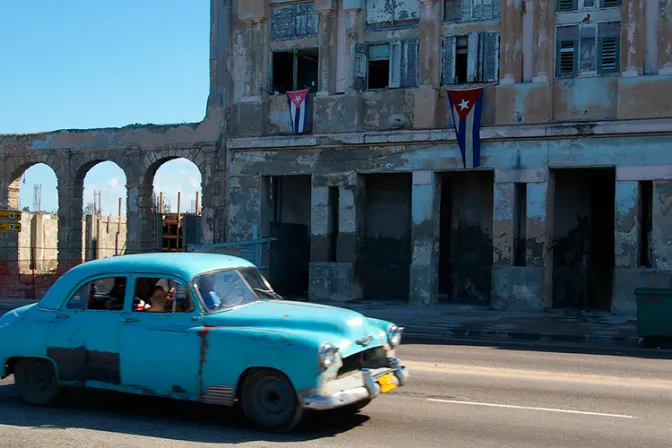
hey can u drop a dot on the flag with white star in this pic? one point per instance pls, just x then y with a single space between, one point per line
298 109
465 110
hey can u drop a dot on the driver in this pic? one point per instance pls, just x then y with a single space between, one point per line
206 287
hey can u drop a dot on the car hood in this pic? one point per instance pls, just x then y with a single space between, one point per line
338 326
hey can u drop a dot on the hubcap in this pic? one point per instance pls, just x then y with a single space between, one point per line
273 398
40 376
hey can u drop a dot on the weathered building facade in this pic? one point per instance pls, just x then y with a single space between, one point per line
570 204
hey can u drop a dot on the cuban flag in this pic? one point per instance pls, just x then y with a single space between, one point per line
298 109
465 108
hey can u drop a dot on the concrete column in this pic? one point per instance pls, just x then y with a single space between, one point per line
426 203
539 233
543 41
327 44
662 225
353 28
511 38
503 224
664 36
633 37
70 204
429 53
320 224
213 204
626 250
244 209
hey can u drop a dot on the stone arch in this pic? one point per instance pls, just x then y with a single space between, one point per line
144 236
35 246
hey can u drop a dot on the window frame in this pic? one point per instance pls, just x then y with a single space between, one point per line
294 36
598 41
87 281
496 15
479 47
186 284
295 65
400 74
409 23
579 5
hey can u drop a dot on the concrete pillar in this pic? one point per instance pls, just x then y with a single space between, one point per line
353 28
429 54
70 204
215 197
503 224
661 238
664 35
511 38
626 250
320 224
539 233
244 209
426 203
543 42
327 44
632 37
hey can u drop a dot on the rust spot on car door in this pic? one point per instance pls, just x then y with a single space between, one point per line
203 334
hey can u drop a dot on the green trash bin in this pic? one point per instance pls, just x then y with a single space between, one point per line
654 312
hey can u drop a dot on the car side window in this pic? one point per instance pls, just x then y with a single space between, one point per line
162 295
105 294
224 290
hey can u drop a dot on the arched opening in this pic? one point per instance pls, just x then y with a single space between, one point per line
31 241
177 194
104 226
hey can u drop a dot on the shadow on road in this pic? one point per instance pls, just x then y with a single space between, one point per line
548 347
160 418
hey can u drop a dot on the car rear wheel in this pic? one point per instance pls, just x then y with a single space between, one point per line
270 402
36 382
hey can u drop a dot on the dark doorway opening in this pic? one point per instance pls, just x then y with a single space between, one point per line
289 256
387 244
583 247
465 239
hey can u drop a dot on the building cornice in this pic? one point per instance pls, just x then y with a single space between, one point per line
567 130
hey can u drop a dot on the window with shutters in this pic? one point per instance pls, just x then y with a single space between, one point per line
293 21
577 5
294 69
588 49
392 12
386 65
470 58
469 10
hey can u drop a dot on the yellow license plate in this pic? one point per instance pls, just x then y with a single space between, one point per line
386 383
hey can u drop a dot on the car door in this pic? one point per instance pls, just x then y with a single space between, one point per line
161 351
83 338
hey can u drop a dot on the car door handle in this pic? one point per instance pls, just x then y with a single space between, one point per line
62 316
129 320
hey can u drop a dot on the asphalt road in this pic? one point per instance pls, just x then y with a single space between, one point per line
460 396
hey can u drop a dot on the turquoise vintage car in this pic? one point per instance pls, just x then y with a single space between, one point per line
200 327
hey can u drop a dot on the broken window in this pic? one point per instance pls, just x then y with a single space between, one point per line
458 10
106 294
588 49
576 5
470 58
295 70
386 65
392 12
294 21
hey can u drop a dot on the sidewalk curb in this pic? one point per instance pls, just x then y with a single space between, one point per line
420 331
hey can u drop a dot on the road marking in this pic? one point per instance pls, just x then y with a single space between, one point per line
528 408
563 377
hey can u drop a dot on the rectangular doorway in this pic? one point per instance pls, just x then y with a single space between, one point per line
465 238
583 243
289 216
387 244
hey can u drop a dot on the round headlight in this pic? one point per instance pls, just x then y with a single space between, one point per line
327 355
394 335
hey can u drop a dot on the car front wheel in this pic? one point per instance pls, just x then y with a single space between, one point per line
270 402
36 382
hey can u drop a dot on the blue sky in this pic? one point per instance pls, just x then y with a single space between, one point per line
87 64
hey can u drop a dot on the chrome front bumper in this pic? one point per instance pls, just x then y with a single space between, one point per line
355 388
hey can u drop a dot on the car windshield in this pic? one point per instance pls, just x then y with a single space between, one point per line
230 288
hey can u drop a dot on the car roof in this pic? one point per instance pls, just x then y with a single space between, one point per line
181 264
